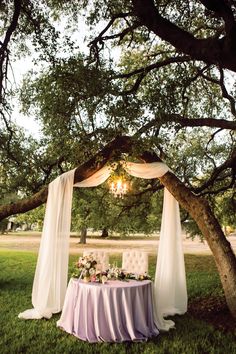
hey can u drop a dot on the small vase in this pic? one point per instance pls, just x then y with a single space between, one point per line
86 279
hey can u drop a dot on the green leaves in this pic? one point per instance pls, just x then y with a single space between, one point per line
134 84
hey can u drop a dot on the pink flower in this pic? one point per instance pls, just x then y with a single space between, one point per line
93 277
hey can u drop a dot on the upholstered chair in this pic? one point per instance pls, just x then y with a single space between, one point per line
135 261
100 256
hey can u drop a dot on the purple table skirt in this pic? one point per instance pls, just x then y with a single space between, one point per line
114 312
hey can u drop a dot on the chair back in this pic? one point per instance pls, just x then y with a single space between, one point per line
135 261
101 257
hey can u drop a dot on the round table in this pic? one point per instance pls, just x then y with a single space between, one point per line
113 312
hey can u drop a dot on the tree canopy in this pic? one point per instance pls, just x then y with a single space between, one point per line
158 70
146 75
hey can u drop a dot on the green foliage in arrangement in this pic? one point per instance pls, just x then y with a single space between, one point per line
43 336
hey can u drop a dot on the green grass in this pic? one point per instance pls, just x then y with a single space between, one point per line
42 336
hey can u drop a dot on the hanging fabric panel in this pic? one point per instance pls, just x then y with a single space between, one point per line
50 280
170 292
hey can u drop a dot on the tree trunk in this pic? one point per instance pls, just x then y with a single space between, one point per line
104 232
223 254
83 235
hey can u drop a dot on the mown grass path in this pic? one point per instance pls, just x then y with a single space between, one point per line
30 241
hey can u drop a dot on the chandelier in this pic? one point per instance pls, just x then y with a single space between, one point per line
118 188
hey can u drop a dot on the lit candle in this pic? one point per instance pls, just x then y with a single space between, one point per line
119 185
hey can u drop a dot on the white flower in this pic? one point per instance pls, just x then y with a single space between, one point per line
104 279
92 271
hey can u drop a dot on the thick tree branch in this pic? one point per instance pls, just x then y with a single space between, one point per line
100 39
221 83
219 190
157 65
229 163
142 72
135 86
204 122
4 45
110 151
5 140
188 122
226 94
97 44
13 25
221 8
212 50
24 205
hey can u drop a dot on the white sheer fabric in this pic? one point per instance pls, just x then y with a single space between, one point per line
170 280
97 178
145 170
170 292
50 280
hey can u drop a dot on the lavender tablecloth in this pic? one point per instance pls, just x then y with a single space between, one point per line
113 312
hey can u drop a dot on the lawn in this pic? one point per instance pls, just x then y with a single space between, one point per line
42 336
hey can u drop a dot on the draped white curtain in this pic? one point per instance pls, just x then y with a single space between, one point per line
97 178
50 282
50 278
169 291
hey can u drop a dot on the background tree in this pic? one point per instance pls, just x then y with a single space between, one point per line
96 208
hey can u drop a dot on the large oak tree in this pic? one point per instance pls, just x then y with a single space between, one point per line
168 89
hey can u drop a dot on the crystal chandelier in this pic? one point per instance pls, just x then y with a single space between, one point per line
118 188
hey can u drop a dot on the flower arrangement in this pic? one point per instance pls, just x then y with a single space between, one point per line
87 268
119 274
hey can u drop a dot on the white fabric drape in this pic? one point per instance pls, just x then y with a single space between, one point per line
170 280
50 278
170 292
145 170
97 178
50 282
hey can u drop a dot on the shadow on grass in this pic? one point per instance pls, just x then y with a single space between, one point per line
15 284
